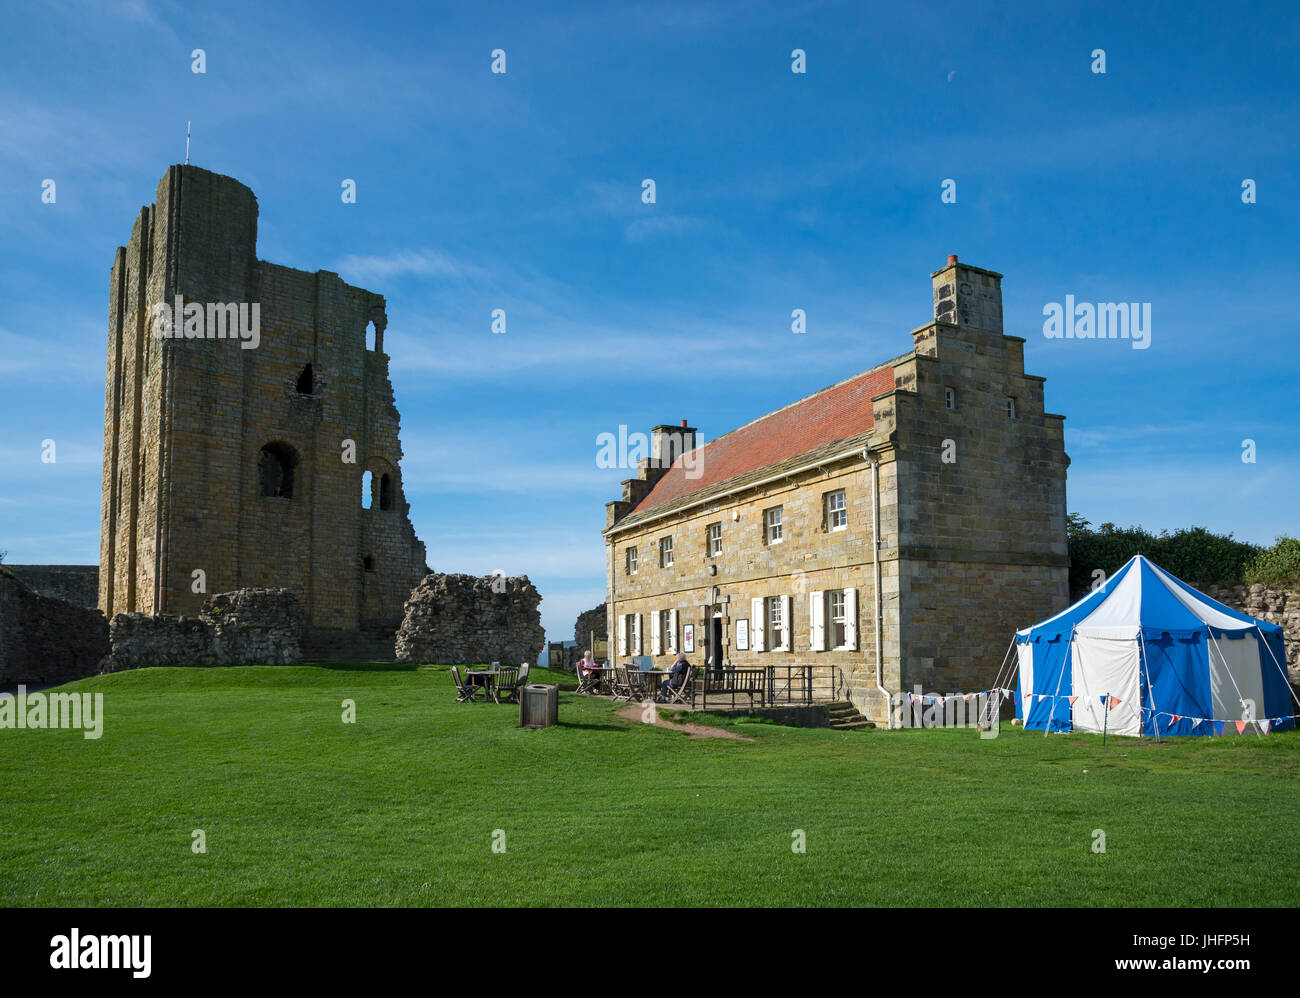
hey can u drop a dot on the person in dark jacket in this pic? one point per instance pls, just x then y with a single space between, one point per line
676 677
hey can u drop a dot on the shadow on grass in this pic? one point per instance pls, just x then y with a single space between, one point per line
365 666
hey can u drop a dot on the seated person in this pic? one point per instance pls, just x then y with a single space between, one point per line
585 665
676 677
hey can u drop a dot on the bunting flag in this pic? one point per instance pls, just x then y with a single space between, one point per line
1218 727
1114 702
1072 699
1241 727
1265 725
1174 719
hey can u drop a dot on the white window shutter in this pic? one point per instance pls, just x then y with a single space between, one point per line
817 621
636 634
787 623
757 624
656 634
672 632
622 634
851 619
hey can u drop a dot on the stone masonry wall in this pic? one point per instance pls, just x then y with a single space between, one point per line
186 419
467 620
246 627
809 559
1275 604
46 640
78 584
981 503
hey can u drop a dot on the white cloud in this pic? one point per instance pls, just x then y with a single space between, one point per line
536 553
49 361
381 268
662 225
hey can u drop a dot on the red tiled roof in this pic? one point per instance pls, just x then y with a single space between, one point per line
830 415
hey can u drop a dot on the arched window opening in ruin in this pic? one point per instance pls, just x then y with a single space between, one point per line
275 468
371 335
367 489
385 492
306 382
368 563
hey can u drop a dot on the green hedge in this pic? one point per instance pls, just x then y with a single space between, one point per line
1278 565
1194 554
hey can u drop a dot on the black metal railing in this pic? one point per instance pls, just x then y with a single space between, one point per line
765 686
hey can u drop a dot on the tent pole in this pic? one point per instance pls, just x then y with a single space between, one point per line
1263 639
1151 692
1051 715
997 680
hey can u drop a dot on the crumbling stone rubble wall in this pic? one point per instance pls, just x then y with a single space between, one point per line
466 620
245 627
587 622
46 640
1277 605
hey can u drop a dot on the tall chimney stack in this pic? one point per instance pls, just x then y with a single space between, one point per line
968 297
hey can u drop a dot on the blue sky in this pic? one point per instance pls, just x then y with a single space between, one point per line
775 191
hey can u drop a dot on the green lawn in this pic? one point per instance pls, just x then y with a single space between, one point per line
400 808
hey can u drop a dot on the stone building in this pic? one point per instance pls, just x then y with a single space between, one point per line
892 529
250 431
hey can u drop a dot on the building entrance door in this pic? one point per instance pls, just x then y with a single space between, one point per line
715 644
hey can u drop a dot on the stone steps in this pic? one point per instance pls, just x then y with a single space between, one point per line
844 716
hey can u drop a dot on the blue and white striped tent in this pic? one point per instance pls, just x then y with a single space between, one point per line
1148 654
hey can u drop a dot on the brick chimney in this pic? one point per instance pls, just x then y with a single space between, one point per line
968 297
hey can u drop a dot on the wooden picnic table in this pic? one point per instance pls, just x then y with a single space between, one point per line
482 677
651 680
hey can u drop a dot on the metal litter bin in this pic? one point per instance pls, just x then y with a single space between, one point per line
539 706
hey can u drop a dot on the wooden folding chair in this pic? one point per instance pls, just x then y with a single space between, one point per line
588 683
465 692
678 694
507 684
635 684
621 685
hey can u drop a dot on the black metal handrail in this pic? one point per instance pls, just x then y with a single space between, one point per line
764 686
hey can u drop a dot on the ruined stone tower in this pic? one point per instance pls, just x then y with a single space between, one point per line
236 444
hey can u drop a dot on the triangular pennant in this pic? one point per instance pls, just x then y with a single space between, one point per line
1218 727
1265 725
965 698
1114 702
1241 726
1072 699
1174 719
1102 698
